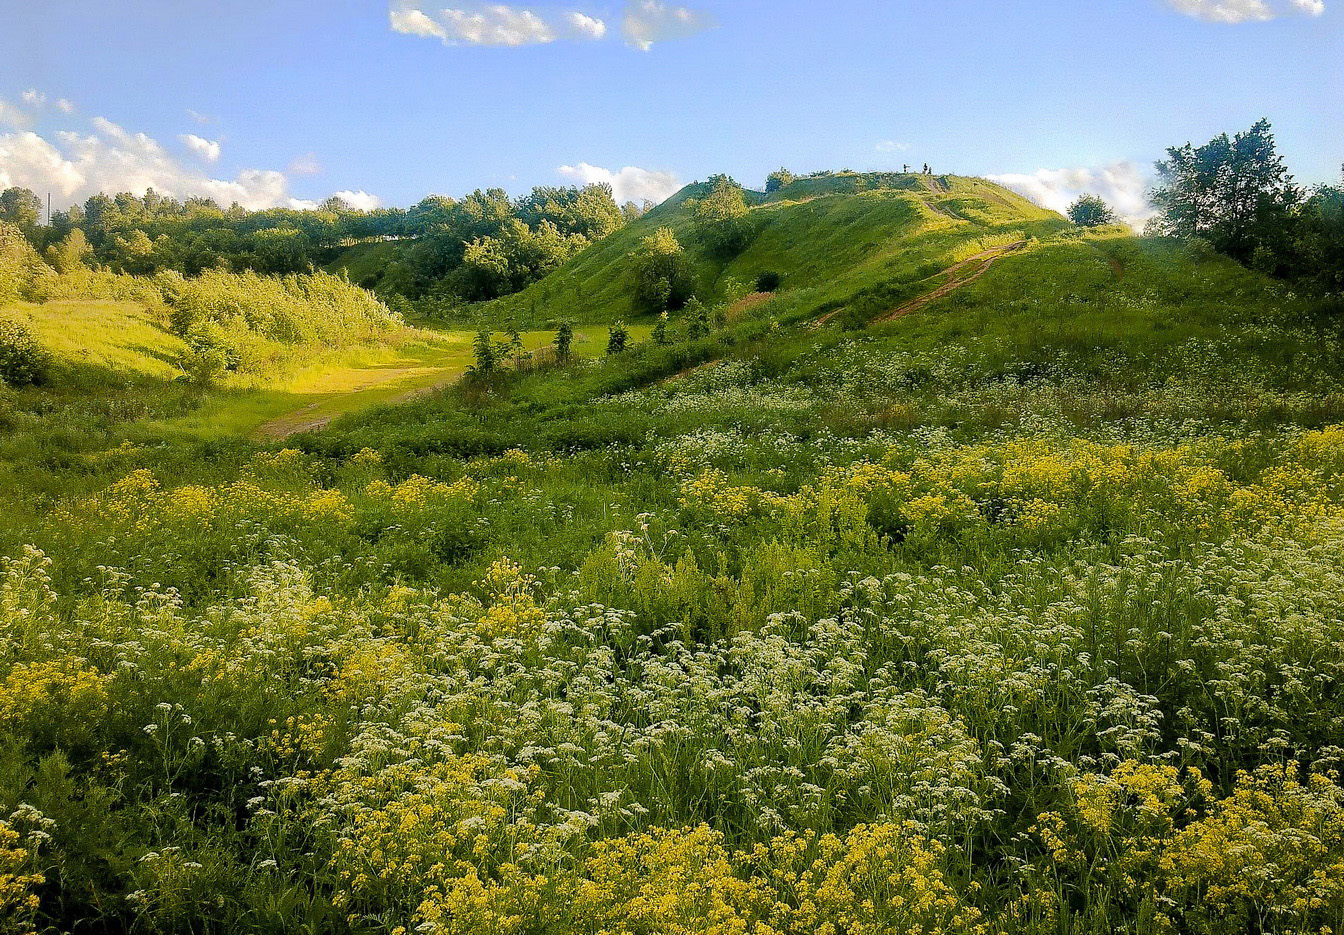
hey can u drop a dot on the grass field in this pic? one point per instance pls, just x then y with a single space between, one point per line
1019 615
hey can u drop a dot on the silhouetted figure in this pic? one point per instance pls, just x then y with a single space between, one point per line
927 170
906 168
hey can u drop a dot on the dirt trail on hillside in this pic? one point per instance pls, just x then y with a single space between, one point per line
963 274
958 275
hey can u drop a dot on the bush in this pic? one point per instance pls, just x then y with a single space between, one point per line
1091 211
618 340
663 275
768 281
23 362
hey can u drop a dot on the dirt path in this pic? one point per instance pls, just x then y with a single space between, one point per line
961 274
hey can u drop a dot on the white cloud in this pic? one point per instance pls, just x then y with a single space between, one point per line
360 200
307 164
629 184
650 21
644 23
34 98
110 159
492 24
1124 186
891 146
199 117
586 26
207 149
1245 11
66 107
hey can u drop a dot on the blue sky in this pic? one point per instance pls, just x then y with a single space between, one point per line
306 98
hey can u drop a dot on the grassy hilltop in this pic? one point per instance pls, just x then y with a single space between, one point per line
1018 612
832 238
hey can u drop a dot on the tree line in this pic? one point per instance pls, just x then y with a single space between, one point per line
479 247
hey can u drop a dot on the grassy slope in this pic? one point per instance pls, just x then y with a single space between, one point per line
832 239
365 263
124 338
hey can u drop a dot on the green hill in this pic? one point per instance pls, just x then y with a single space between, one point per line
832 239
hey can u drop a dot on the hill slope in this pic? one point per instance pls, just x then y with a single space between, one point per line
832 239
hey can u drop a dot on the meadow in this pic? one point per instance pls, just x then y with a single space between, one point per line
1020 614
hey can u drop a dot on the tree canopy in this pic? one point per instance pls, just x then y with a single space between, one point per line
1235 192
1091 211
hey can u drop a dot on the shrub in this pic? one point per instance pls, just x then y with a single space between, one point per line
780 178
663 275
768 281
1091 211
722 218
23 362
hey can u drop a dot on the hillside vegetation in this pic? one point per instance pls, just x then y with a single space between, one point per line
833 239
1017 614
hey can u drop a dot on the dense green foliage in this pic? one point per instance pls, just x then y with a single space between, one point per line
1236 194
662 273
721 218
1020 614
480 247
23 362
231 320
1091 211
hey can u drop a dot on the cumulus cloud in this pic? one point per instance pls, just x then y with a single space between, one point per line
586 26
200 117
207 149
109 159
891 146
629 184
650 21
66 107
492 24
360 200
1245 11
34 98
644 23
1124 186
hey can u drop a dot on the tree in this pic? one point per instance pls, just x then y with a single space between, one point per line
663 275
1235 193
780 178
618 340
721 218
564 342
22 208
483 350
71 253
660 330
1091 211
1318 252
19 263
698 316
